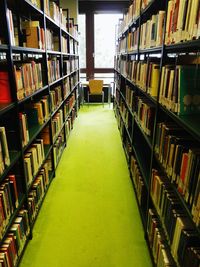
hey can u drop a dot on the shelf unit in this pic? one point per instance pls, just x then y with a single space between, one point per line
60 95
140 139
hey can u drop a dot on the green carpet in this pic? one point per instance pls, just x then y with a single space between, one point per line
90 217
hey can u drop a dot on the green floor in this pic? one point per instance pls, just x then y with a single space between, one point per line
90 217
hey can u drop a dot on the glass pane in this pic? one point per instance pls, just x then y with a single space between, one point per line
82 41
107 77
105 39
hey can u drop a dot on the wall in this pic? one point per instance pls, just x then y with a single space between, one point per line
72 5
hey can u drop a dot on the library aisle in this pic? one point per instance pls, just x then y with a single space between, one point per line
90 217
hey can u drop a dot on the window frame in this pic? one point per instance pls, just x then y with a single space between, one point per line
90 9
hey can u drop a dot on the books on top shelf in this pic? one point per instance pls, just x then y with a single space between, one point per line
132 13
52 10
151 34
183 21
28 77
73 28
11 26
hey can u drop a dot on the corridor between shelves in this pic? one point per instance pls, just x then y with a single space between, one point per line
90 216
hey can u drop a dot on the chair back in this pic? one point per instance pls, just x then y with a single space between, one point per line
95 86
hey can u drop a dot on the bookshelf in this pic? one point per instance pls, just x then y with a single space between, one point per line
39 84
157 110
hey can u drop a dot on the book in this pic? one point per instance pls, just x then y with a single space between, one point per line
5 96
4 144
188 93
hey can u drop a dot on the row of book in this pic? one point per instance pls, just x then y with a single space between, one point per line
57 123
4 151
56 97
52 41
132 13
157 241
58 147
179 89
36 3
28 78
73 30
135 7
138 181
179 155
124 113
130 98
130 43
37 191
52 10
151 34
74 79
119 120
69 104
143 109
37 113
145 114
9 201
33 33
70 65
13 245
64 45
53 66
66 87
183 21
144 75
70 122
33 160
180 231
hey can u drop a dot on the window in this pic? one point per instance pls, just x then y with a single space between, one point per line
104 43
82 41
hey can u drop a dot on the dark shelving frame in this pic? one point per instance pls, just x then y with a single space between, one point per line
189 123
24 7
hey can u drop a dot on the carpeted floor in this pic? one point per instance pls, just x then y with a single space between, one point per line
90 217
